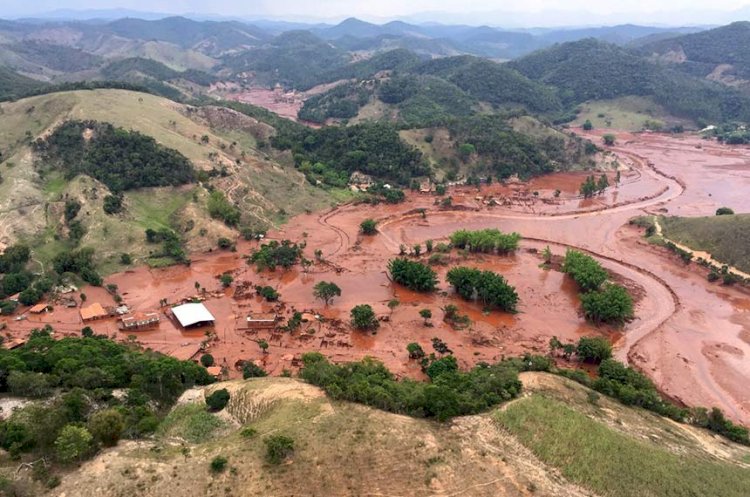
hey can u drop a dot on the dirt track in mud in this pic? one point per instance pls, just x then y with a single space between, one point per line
691 337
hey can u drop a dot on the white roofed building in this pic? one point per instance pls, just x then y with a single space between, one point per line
193 315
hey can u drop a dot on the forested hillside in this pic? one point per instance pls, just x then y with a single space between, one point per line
593 70
700 53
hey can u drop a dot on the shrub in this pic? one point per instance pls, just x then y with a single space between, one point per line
278 448
106 426
413 275
593 349
613 304
218 464
73 443
724 211
207 360
415 351
368 227
248 432
363 317
112 204
268 293
252 370
218 400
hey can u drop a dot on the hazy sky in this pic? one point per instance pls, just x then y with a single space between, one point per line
526 11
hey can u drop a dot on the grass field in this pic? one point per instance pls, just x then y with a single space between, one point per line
726 238
611 463
625 113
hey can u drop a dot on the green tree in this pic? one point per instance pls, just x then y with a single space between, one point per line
207 360
326 291
218 464
593 349
73 443
252 370
363 317
368 227
415 351
226 279
218 400
106 426
426 314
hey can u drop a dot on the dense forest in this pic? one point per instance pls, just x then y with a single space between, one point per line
121 159
371 148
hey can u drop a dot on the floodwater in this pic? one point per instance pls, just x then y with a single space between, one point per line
691 337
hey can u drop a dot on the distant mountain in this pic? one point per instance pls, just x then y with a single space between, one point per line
211 37
721 53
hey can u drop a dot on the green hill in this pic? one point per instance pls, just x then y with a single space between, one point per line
592 70
726 238
219 143
13 84
701 53
556 441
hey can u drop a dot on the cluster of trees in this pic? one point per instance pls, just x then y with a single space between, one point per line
270 255
80 262
219 207
172 244
602 302
341 102
371 148
412 274
76 377
591 186
487 287
121 159
449 392
588 349
487 241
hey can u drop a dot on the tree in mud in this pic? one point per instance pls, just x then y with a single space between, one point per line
613 304
363 318
326 291
426 314
368 227
593 349
413 275
415 351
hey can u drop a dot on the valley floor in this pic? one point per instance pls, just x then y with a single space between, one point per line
689 336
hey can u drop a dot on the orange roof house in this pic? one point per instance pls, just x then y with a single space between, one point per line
93 312
38 309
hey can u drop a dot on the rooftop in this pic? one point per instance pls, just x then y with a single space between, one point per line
93 311
192 314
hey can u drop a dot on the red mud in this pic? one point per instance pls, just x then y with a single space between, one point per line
692 338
